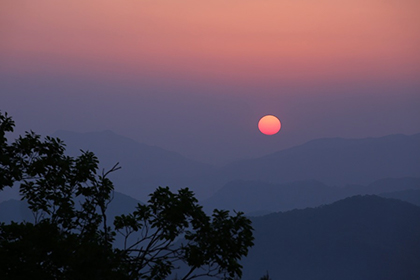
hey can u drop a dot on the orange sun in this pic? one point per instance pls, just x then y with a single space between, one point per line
269 125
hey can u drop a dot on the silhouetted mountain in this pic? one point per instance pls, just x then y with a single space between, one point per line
384 185
18 211
252 196
411 196
144 167
362 237
334 161
256 198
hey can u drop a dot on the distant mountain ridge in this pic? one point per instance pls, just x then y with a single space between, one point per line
144 167
331 161
361 237
411 196
18 211
253 197
335 161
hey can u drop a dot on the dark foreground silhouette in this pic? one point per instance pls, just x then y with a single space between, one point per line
362 237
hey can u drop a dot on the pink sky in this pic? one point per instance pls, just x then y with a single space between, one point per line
234 41
191 74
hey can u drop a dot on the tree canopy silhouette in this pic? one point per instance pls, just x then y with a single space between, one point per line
70 237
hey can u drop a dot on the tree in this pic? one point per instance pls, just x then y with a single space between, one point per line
70 237
266 276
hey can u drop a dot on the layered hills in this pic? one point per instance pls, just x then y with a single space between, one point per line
257 197
330 161
335 161
144 167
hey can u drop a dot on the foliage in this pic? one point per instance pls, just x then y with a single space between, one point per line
266 276
70 237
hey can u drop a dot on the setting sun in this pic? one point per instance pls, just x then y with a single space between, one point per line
269 125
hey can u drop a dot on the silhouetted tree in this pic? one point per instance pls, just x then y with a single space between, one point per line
70 237
266 276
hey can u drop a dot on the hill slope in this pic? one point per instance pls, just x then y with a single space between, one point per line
334 161
18 211
411 196
362 237
144 167
261 197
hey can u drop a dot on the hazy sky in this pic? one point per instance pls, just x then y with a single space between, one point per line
195 76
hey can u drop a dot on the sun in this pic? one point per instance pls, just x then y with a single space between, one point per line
269 125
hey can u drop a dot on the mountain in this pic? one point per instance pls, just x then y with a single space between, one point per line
411 196
362 237
18 211
144 167
256 198
384 186
330 161
334 161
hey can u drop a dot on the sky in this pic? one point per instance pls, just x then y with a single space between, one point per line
196 76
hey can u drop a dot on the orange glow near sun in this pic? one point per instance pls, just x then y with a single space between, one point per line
269 125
